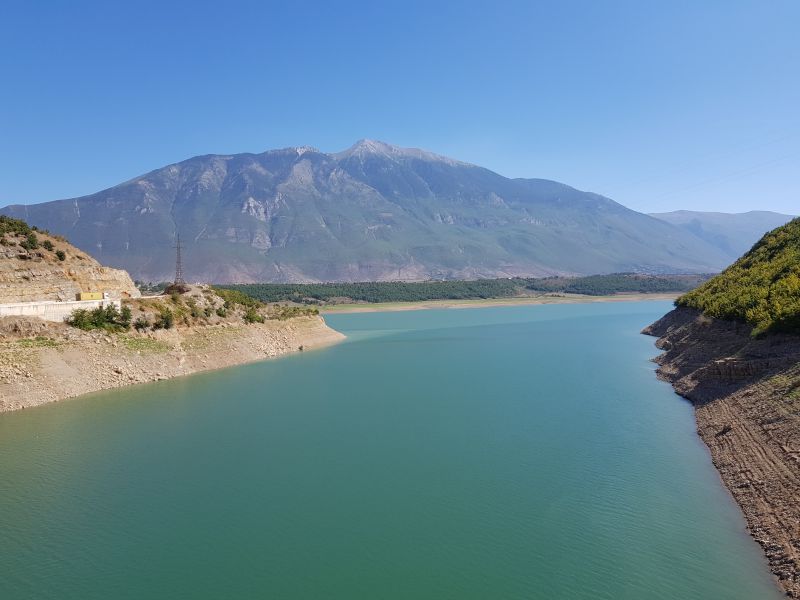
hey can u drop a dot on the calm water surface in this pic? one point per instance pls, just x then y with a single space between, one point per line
522 452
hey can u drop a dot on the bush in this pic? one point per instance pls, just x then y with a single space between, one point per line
165 319
194 310
125 316
47 245
107 318
61 255
141 323
222 312
9 225
252 315
31 242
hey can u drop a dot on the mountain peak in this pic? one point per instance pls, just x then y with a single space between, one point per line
367 147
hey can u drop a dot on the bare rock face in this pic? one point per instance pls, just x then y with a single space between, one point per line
746 393
31 275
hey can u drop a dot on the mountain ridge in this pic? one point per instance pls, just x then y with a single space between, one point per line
371 212
732 233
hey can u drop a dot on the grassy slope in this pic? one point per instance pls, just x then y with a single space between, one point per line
762 288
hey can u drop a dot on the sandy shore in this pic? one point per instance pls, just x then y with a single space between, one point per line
60 362
543 299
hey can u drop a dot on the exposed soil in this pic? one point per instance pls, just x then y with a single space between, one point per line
746 393
44 362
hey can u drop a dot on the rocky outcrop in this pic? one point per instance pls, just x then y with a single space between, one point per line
746 393
32 275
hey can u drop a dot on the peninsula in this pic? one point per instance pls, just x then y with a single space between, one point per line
69 326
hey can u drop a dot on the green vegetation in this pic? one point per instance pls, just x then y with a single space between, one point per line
31 241
393 291
762 288
233 296
47 245
283 313
165 319
15 226
617 283
143 344
107 318
251 315
61 255
148 288
38 342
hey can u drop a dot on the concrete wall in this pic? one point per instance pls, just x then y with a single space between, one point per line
52 311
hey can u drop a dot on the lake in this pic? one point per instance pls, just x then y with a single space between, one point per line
511 452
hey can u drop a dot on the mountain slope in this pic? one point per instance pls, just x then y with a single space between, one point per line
372 212
734 234
762 288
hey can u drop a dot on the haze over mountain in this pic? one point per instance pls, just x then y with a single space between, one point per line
733 233
372 212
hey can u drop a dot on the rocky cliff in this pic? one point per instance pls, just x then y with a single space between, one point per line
36 266
746 391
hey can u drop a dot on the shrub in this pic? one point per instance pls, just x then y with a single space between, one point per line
125 316
61 255
9 225
31 242
252 315
141 323
165 319
107 318
47 245
194 310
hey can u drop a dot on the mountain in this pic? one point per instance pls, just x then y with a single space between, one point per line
371 212
733 233
762 288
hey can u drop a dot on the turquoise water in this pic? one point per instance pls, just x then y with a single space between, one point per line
521 452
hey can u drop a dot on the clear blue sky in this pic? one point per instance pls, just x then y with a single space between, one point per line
659 105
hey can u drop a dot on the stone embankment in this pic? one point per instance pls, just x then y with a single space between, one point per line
46 362
746 393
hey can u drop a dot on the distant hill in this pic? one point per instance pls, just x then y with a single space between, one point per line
733 233
762 288
372 212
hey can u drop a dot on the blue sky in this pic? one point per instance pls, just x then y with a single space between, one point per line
659 105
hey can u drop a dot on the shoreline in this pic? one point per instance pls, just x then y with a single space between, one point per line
489 302
62 363
743 391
